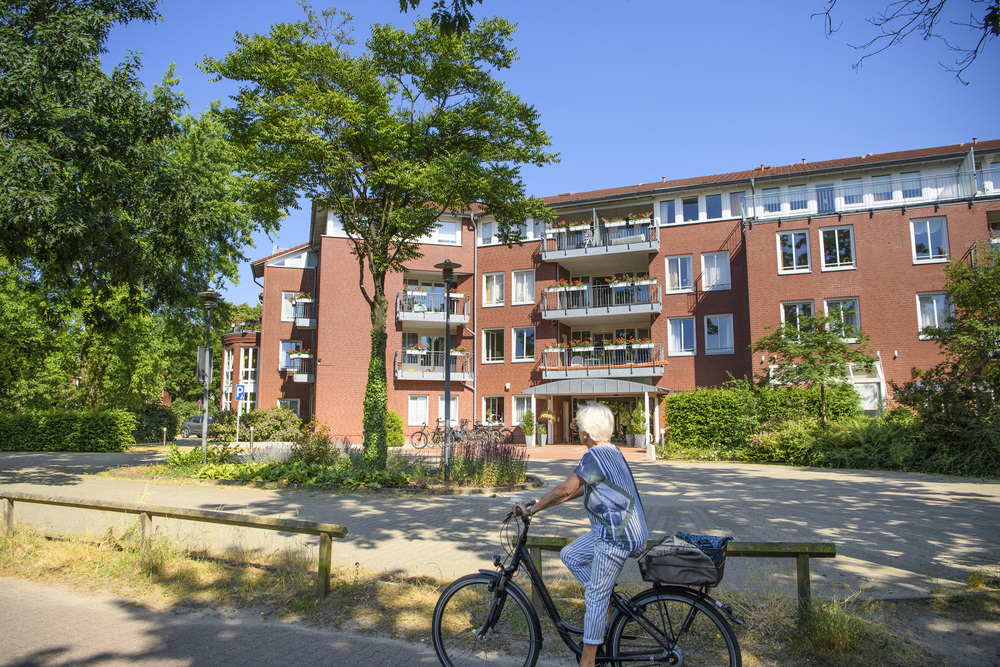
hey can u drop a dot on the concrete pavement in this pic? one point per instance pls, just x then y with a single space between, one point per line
898 535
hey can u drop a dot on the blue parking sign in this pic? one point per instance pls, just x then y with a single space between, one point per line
240 392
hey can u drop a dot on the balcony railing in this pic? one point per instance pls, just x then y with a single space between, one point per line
641 360
429 307
302 369
415 365
836 199
305 315
625 299
600 239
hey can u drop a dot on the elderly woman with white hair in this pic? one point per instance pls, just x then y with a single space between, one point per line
617 522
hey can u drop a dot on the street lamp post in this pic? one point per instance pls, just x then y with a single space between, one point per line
448 273
210 296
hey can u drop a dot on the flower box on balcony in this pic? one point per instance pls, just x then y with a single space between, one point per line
641 221
578 228
301 354
615 223
415 351
641 346
459 353
586 348
650 281
613 348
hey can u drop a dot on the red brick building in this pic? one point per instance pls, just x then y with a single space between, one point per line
635 291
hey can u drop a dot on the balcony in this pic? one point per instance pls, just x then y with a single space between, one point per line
594 304
304 313
302 369
608 361
428 306
869 196
427 365
583 244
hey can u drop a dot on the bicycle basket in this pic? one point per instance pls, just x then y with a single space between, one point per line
681 559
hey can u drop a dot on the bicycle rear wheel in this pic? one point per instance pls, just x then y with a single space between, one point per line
419 440
462 614
694 632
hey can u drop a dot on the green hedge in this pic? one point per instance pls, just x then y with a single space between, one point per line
67 431
273 424
151 419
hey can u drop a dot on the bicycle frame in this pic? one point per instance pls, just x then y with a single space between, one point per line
504 577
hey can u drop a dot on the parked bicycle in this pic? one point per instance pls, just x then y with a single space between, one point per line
487 618
425 436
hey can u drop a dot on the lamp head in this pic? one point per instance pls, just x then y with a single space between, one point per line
210 296
448 270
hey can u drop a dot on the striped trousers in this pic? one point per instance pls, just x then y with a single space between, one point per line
596 565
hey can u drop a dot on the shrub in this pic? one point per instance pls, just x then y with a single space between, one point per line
150 421
528 422
395 434
313 444
273 424
182 410
67 431
783 441
489 464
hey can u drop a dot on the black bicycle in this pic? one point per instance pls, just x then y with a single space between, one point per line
487 618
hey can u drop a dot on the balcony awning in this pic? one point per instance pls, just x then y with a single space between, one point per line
593 387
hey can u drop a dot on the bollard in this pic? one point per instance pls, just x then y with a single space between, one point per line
164 436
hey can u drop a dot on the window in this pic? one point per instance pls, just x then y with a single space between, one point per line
452 413
493 408
493 339
521 405
486 233
933 310
930 239
882 188
679 277
227 368
681 337
853 196
524 344
249 402
417 414
690 205
912 187
668 212
715 270
524 287
713 206
447 232
494 289
826 199
248 365
798 198
719 334
793 249
795 310
290 404
843 314
287 307
736 204
771 200
838 248
286 347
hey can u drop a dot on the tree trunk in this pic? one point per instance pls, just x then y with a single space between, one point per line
376 394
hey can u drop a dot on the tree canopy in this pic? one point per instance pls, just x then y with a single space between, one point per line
414 127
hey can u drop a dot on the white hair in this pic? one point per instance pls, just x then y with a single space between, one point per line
596 420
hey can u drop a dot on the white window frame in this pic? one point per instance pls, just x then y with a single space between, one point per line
486 406
453 416
798 198
794 269
926 222
521 405
708 259
908 178
882 188
697 208
284 347
413 416
438 237
735 209
822 249
287 307
948 310
516 332
288 402
690 272
857 314
485 232
798 305
529 289
486 357
497 279
671 351
248 372
721 210
728 346
853 192
665 206
770 201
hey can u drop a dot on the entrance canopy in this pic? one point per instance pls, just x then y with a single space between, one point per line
593 387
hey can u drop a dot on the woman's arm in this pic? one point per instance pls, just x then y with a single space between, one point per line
572 487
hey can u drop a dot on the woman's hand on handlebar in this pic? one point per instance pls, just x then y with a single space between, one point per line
522 508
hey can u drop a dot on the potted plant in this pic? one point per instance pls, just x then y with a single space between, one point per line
547 417
301 352
638 426
302 297
528 427
459 351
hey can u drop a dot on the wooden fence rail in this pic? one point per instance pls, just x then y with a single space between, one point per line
800 551
325 531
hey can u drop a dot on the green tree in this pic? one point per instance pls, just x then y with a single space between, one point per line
814 352
104 184
389 140
451 21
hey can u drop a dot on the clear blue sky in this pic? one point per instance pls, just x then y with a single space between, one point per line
631 91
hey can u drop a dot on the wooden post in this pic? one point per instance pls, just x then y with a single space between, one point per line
146 521
536 598
802 574
9 511
323 569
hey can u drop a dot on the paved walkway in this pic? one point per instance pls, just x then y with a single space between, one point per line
898 535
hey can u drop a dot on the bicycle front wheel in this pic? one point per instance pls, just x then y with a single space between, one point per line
476 626
681 629
419 440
